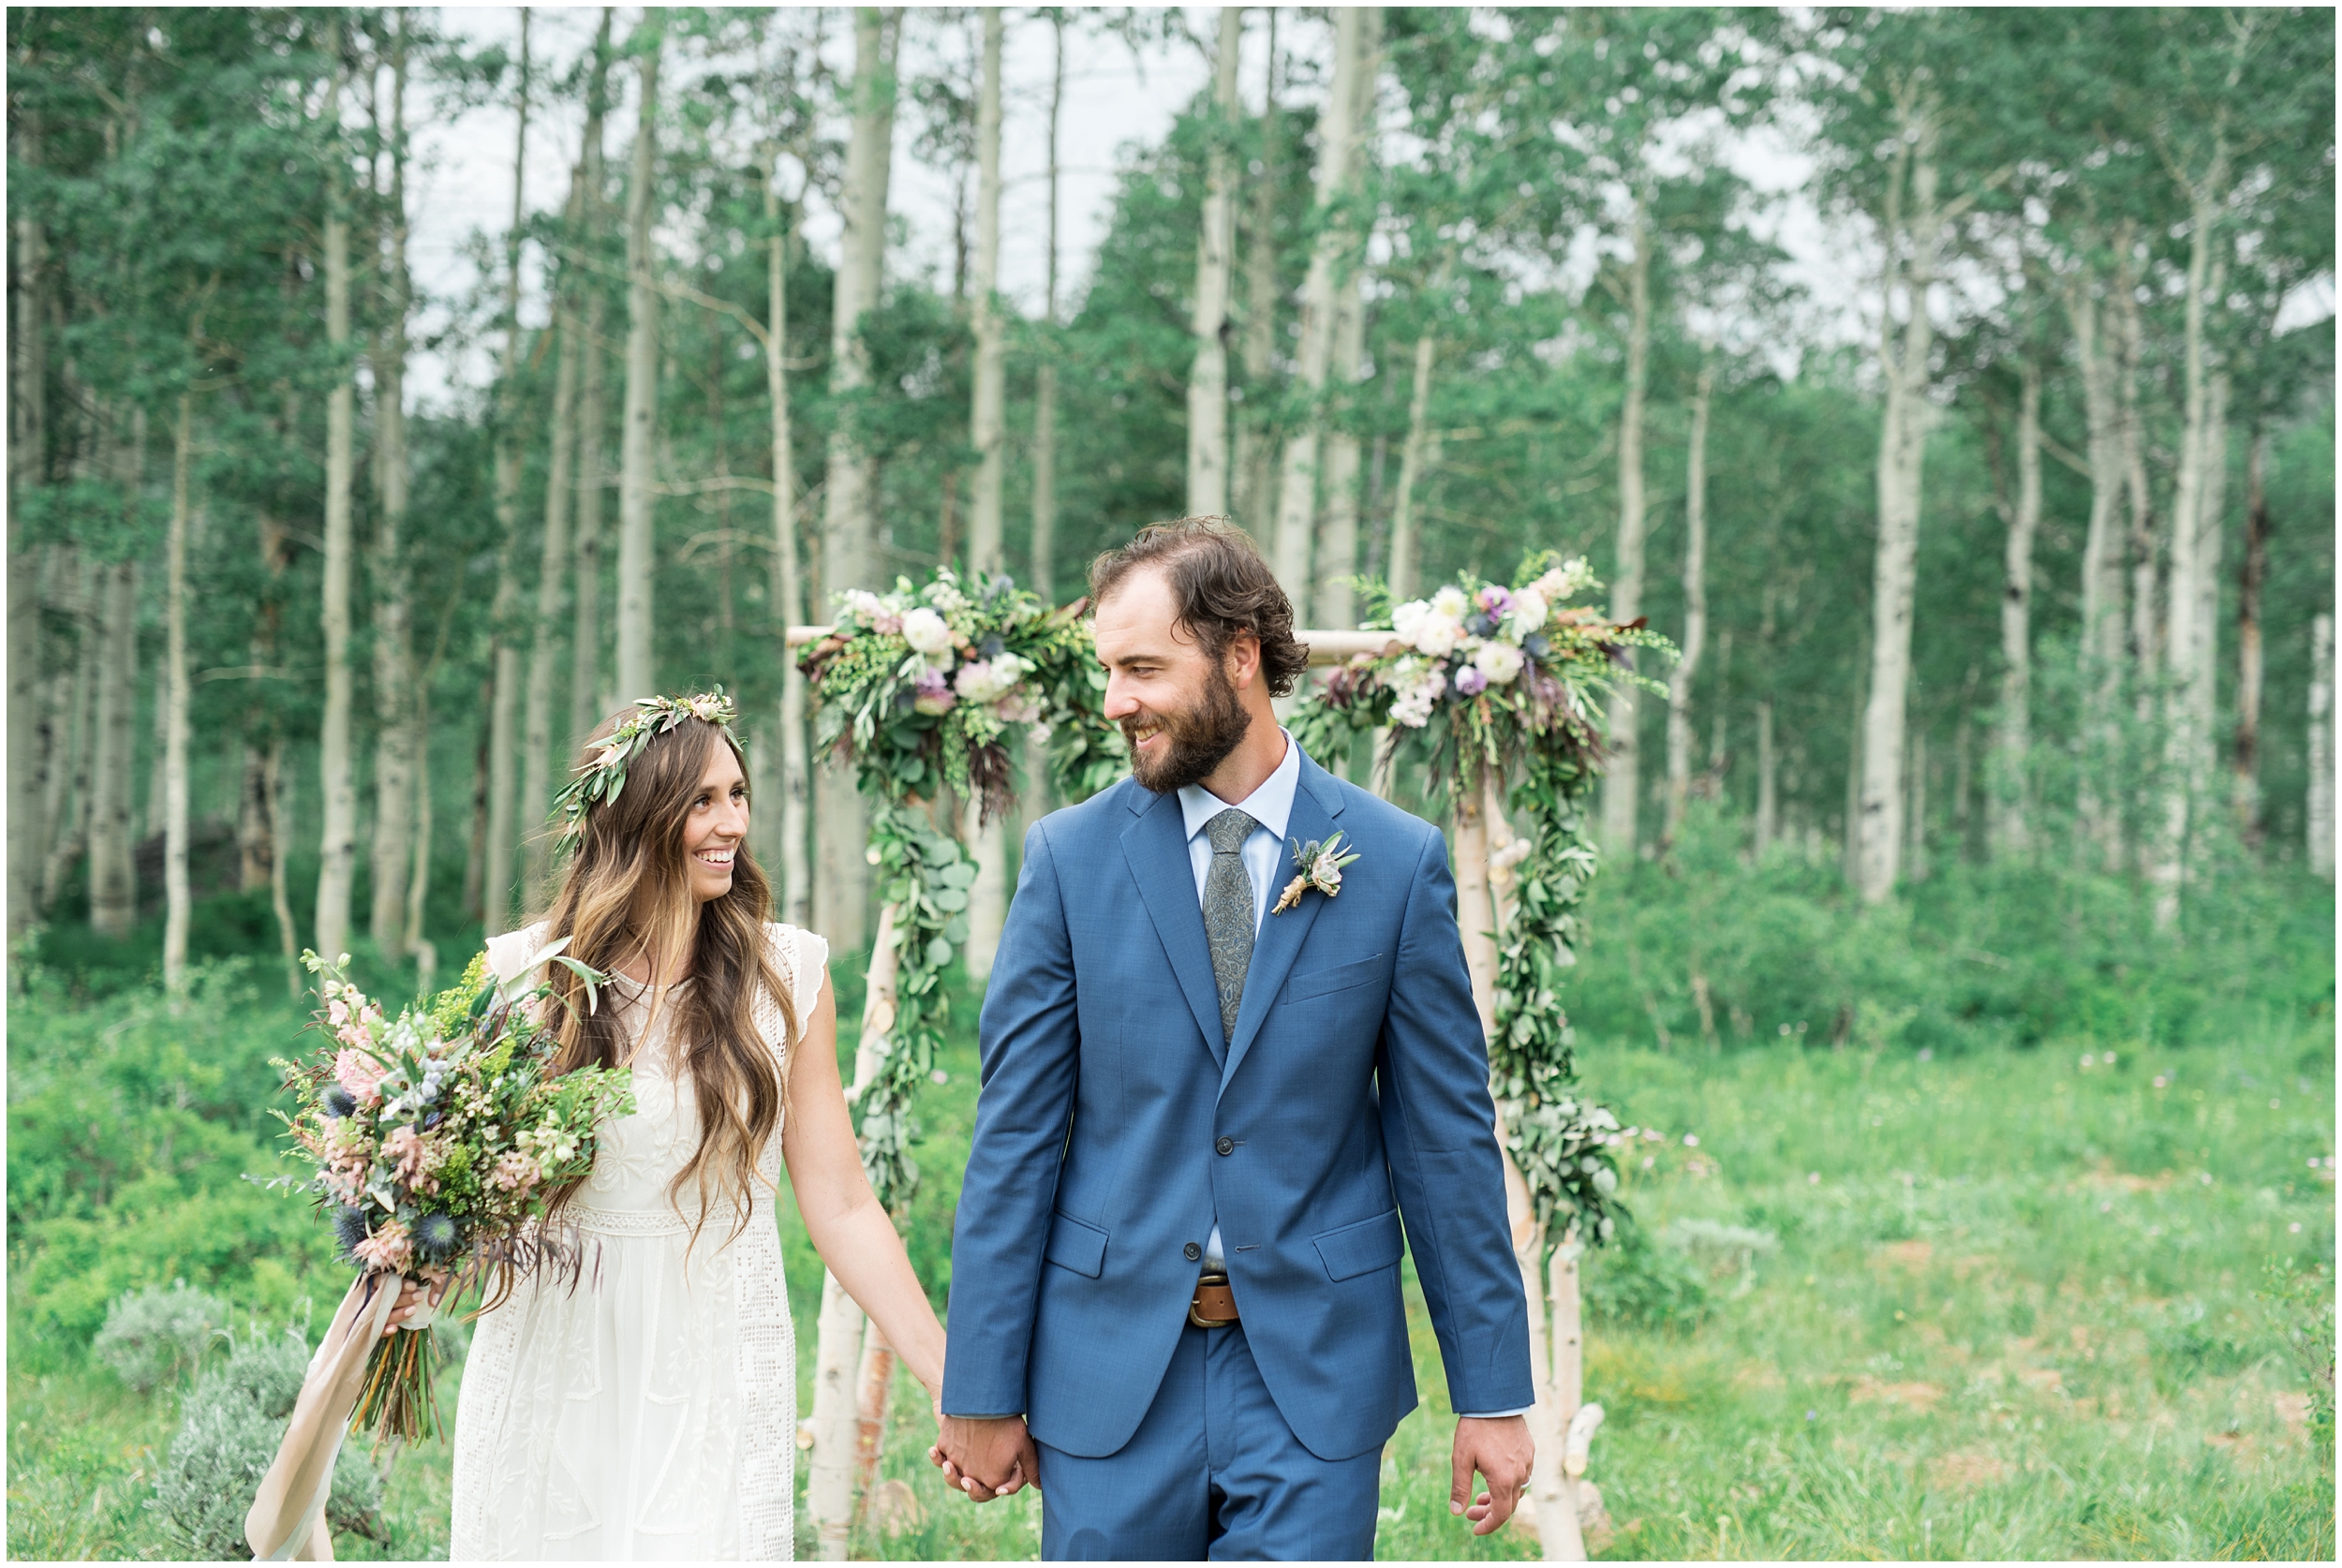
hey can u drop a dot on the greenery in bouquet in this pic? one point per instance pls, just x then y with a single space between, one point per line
919 689
1490 681
436 1143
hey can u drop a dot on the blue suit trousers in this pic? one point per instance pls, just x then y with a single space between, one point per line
1214 1472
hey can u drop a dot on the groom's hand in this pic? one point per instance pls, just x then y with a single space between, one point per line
1501 1450
986 1458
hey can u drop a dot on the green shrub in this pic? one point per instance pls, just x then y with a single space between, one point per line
1635 1283
152 1336
229 1433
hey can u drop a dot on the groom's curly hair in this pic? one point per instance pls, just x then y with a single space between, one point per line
1220 585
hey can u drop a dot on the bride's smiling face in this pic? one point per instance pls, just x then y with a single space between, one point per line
717 824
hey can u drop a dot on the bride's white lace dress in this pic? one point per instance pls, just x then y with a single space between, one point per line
648 1411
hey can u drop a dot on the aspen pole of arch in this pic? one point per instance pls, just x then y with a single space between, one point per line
1694 607
397 773
797 881
504 706
988 899
1911 250
2320 802
1557 1508
840 1387
841 883
1621 782
2012 728
337 849
637 562
1215 259
1297 496
177 907
1044 390
537 745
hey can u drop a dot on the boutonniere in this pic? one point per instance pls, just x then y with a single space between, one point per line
1320 867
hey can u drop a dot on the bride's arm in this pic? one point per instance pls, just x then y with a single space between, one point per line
842 1215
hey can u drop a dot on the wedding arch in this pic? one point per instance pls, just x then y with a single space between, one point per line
918 689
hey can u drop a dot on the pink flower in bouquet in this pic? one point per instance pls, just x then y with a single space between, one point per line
933 696
389 1249
361 1075
405 1148
1471 681
1497 602
514 1172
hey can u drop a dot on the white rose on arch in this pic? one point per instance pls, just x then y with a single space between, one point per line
927 632
1500 662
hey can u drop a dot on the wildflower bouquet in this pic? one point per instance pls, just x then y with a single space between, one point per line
436 1140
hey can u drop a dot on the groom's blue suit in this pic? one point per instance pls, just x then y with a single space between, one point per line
1115 1129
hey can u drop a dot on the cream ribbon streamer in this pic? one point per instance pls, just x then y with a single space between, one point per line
286 1522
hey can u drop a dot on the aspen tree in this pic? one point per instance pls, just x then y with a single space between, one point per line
796 899
397 771
638 563
988 899
1296 495
504 676
2008 829
178 909
593 419
1044 375
1252 455
337 849
537 744
1694 605
1215 257
28 437
841 876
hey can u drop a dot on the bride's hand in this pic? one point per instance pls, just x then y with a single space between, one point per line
411 1298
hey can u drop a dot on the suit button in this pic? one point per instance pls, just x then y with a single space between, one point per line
1191 1252
1226 1146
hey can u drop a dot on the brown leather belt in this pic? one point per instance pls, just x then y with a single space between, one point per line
1214 1304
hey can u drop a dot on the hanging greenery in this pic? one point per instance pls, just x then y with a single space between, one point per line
1490 682
918 689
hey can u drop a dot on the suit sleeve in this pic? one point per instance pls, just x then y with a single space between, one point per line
1031 1041
1439 1127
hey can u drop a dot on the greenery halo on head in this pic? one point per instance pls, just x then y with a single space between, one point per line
603 777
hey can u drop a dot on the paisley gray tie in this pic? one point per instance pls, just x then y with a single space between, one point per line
1228 907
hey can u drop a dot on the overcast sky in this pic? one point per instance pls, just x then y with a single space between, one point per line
463 189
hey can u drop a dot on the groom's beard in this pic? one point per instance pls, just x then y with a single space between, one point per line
1196 740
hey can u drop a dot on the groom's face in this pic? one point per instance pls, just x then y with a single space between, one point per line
1176 706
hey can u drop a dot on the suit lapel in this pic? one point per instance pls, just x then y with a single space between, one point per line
1315 804
1156 847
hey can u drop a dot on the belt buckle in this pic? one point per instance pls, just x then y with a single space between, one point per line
1194 1314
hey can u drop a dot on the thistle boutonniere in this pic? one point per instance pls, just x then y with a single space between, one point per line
1320 867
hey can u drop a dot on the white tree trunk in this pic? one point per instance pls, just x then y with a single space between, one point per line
65 813
2320 805
586 693
28 405
2102 583
1417 455
1251 455
113 889
1901 452
1768 779
795 878
1337 552
1044 379
178 910
395 756
1296 496
1621 782
544 651
874 1380
2009 830
638 563
504 708
841 877
987 898
1695 606
1215 259
337 847
2252 576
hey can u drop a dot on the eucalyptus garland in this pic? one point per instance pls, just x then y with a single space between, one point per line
918 691
1492 681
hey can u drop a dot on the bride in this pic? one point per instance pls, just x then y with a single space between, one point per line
643 1405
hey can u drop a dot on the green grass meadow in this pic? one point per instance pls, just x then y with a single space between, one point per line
2059 1300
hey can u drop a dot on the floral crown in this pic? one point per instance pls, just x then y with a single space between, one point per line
604 775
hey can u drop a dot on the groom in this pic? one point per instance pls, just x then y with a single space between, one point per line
1206 1108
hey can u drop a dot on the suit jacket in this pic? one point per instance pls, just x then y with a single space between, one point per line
1114 1127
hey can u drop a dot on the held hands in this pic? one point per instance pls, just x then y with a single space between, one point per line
1501 1450
986 1458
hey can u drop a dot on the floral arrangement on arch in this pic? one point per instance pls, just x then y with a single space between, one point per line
1492 682
919 689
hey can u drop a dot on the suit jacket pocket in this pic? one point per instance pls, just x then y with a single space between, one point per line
1318 983
1076 1246
1361 1248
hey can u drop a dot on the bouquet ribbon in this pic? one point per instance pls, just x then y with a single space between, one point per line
287 1521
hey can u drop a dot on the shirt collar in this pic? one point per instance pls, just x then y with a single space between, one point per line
1271 805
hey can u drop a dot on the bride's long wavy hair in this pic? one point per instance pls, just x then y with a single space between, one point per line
627 895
